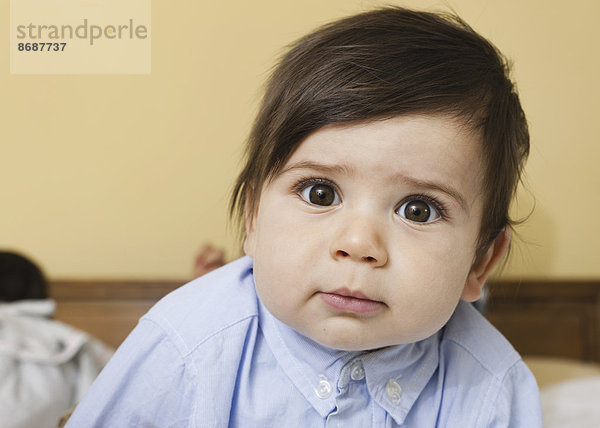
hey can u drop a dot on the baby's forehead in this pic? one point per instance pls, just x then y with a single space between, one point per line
407 137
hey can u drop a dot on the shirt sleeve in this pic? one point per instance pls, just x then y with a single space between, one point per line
146 383
518 400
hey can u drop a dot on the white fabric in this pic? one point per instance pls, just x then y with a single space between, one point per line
45 366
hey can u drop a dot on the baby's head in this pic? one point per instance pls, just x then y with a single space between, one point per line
379 175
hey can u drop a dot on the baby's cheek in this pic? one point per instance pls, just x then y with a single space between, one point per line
280 304
271 287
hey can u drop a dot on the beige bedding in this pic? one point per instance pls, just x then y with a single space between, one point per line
570 392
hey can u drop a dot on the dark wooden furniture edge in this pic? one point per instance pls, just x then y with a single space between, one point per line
559 318
544 289
72 289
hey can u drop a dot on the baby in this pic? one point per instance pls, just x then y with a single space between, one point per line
374 201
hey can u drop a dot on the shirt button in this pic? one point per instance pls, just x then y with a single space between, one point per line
323 389
393 390
357 372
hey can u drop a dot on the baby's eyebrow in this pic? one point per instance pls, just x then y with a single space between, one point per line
324 168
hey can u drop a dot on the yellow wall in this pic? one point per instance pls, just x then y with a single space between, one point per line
124 176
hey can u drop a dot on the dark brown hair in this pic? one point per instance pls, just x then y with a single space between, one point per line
20 278
384 63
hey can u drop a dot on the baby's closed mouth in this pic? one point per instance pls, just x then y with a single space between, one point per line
346 300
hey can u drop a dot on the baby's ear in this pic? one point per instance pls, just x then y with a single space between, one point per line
482 269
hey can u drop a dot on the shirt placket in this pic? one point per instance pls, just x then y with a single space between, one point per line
353 404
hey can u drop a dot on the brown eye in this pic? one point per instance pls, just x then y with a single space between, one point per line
322 195
418 211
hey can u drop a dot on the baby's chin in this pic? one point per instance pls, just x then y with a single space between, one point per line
352 343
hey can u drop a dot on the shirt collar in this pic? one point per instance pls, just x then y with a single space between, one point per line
395 376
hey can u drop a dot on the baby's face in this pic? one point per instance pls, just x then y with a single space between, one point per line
367 237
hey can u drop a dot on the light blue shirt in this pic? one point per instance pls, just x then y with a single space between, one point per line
210 355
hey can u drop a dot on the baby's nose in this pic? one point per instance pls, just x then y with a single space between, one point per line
360 240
